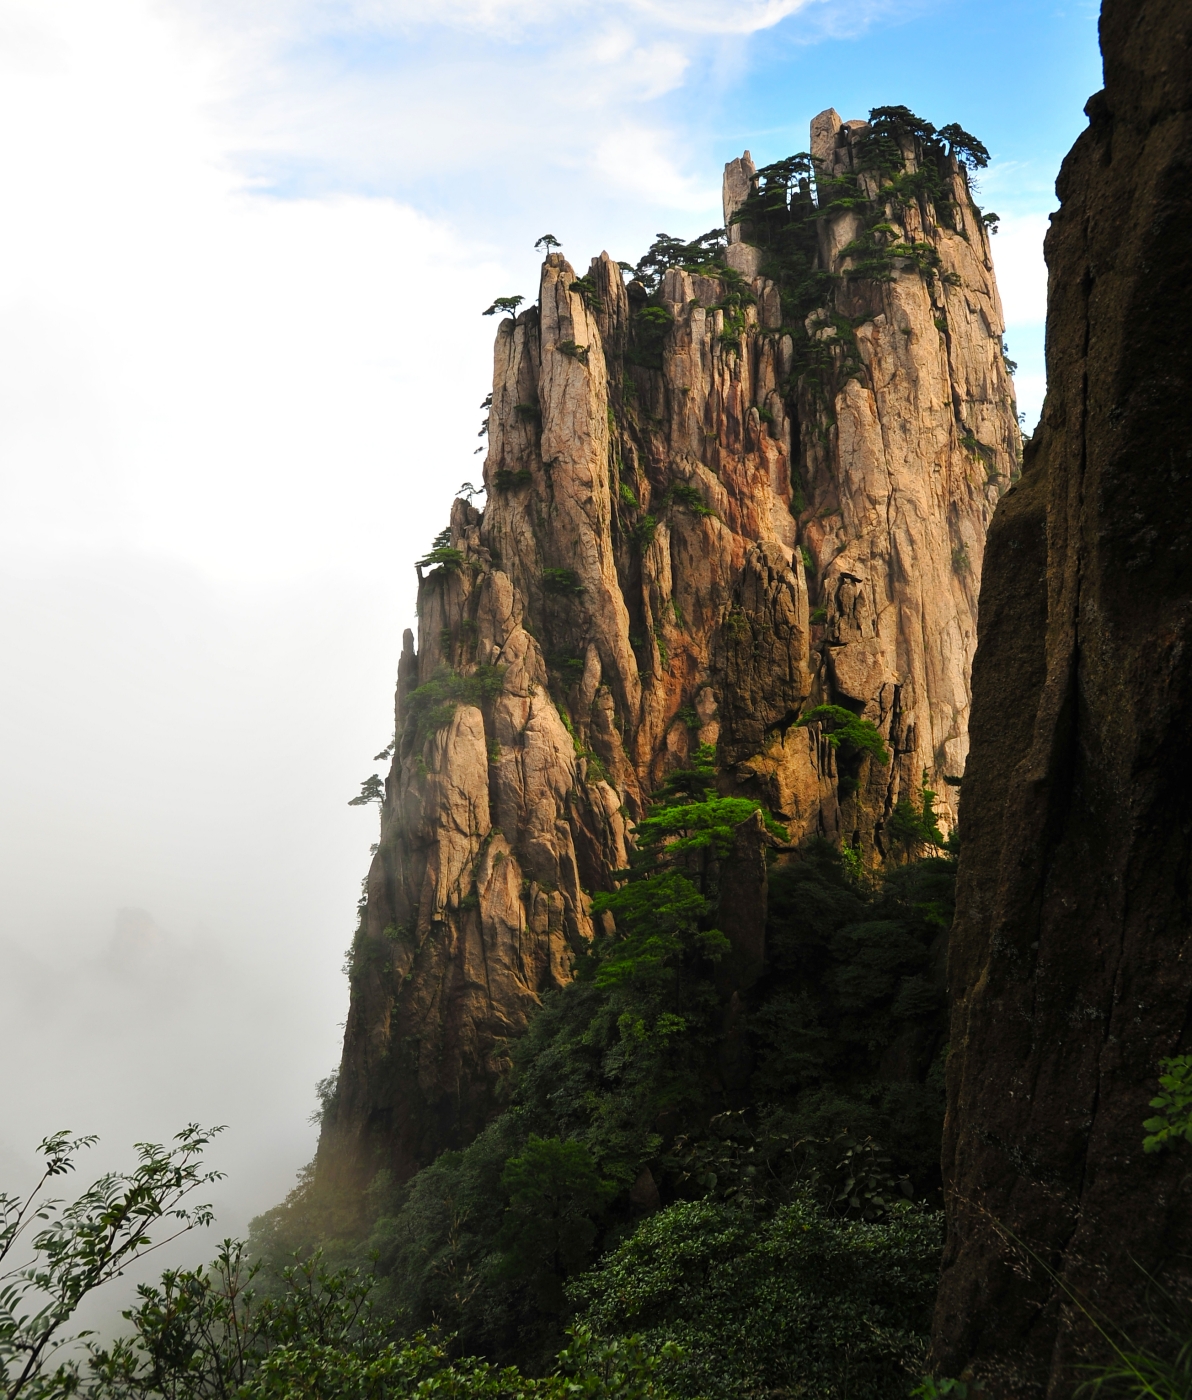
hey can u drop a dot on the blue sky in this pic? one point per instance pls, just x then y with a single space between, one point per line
607 123
245 249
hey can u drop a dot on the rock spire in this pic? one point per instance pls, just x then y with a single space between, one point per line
711 506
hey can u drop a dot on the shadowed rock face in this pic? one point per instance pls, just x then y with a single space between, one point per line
1070 965
683 543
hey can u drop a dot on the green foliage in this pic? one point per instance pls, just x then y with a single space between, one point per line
72 1250
700 826
504 306
843 728
688 496
506 480
446 557
432 705
553 1188
586 288
442 554
574 351
211 1334
645 530
852 972
1142 1373
797 1302
912 825
662 917
931 1389
648 330
548 242
704 254
561 582
569 665
1174 1120
623 1069
371 790
617 1368
975 447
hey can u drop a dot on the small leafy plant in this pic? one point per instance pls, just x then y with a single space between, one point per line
562 582
1174 1119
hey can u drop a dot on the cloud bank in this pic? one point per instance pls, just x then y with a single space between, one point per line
245 249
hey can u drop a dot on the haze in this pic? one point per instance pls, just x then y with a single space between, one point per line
245 249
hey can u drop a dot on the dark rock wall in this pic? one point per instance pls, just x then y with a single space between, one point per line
1071 959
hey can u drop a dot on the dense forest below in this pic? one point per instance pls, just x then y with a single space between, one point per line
717 1161
788 1222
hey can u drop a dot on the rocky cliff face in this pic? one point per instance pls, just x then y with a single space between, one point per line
710 508
1069 968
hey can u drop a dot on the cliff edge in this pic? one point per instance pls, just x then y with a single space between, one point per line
1069 965
750 481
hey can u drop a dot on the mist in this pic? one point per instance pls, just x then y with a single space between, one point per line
241 362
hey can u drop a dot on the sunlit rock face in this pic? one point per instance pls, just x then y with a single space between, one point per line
1069 969
688 539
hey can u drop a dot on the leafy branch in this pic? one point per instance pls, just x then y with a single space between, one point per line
83 1245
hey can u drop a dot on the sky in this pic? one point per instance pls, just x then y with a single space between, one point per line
243 255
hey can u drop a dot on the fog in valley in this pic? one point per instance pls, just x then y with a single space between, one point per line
241 363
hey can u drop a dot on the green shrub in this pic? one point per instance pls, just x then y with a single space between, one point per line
799 1302
430 706
561 582
645 530
506 480
442 555
843 727
648 330
586 288
689 497
912 825
1174 1121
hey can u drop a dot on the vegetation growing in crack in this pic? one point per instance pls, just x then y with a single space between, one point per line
849 731
431 706
563 583
441 557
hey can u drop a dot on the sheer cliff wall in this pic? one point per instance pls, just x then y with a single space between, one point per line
1069 967
687 540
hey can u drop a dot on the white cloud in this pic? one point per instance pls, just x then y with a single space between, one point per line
245 247
716 17
228 423
188 367
515 17
1021 271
